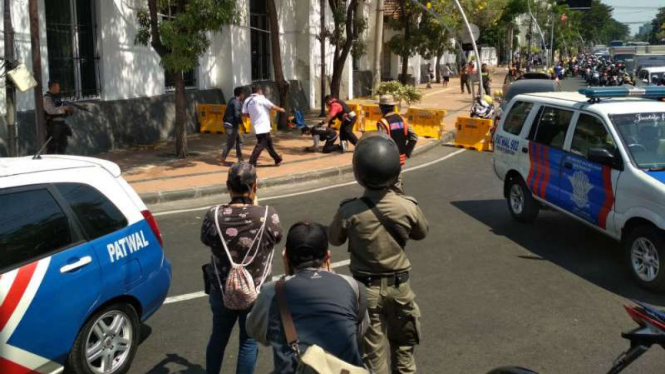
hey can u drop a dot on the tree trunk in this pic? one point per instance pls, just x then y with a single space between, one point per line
322 5
37 72
437 68
282 84
407 36
378 44
342 52
405 69
180 116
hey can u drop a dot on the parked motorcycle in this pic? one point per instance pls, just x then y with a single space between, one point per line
651 331
483 107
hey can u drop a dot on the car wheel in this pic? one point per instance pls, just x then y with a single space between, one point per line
523 207
645 255
107 342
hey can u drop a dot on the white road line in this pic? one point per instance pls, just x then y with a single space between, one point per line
436 92
197 295
334 265
170 212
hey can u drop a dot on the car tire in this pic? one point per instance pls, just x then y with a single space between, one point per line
521 204
645 257
107 342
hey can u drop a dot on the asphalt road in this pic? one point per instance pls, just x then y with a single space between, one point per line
493 292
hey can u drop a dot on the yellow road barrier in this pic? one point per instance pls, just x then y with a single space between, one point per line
473 133
211 118
426 122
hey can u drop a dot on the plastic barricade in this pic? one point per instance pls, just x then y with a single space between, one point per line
426 122
473 133
371 115
247 124
211 118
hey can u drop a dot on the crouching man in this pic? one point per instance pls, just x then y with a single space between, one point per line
327 309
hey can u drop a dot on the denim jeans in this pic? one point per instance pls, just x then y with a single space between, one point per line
223 320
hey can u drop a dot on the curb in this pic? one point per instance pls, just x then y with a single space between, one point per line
218 189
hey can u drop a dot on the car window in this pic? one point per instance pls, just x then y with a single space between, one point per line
552 126
516 117
31 226
95 212
591 133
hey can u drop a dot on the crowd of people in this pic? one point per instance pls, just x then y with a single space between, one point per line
368 321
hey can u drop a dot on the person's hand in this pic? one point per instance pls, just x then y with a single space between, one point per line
281 110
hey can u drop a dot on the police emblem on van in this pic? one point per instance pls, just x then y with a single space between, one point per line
581 188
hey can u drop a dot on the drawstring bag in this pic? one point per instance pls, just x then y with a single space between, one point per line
239 292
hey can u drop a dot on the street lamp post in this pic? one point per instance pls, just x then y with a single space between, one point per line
475 48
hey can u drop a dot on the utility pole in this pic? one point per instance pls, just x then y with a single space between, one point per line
378 45
37 71
9 86
481 89
323 58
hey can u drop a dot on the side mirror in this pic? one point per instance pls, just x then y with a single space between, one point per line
604 157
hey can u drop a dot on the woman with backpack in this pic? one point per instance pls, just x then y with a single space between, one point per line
242 236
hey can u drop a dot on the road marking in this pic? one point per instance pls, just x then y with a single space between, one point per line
200 294
334 265
436 92
169 212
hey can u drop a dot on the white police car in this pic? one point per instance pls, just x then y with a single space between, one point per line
597 156
81 265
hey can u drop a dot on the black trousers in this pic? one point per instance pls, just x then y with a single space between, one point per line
233 139
346 130
57 132
264 141
464 82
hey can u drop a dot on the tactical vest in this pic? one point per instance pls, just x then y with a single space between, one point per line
57 103
397 128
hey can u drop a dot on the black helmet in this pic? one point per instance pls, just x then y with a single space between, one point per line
511 370
376 161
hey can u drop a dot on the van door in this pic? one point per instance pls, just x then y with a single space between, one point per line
546 140
509 140
588 187
49 280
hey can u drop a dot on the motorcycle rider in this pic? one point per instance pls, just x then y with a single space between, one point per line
377 227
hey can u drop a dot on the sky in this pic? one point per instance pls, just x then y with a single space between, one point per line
635 11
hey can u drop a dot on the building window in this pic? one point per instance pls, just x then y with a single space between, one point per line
71 33
260 40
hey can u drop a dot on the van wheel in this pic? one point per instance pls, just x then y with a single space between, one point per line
523 207
107 342
645 255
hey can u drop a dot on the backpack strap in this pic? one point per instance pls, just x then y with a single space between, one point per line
388 225
383 123
285 314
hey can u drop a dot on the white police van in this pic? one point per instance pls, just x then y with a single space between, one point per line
81 266
598 156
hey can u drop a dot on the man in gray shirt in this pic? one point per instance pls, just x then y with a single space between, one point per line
57 129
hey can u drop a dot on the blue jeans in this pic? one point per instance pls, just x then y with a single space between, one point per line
223 320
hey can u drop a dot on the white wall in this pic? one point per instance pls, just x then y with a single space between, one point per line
21 23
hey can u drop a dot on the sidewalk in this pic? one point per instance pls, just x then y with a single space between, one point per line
158 177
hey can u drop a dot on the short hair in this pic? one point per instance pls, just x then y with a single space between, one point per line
241 177
237 91
328 97
256 88
306 245
52 83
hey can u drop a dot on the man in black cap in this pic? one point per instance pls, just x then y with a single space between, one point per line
327 309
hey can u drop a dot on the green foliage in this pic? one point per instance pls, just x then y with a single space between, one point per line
183 35
658 28
598 25
405 43
401 92
337 36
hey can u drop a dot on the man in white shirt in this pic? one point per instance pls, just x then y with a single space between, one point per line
258 108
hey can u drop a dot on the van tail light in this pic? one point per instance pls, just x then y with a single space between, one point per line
153 225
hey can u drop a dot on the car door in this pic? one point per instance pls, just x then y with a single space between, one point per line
49 279
547 137
588 187
509 140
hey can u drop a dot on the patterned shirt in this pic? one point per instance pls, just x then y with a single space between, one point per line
239 226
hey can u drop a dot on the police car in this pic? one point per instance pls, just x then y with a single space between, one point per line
597 156
81 266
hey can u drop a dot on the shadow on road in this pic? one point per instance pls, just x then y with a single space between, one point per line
565 242
176 364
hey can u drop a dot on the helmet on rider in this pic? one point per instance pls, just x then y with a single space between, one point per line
376 163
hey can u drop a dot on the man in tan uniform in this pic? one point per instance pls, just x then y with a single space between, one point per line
377 227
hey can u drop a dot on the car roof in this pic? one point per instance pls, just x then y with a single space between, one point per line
654 69
623 105
27 165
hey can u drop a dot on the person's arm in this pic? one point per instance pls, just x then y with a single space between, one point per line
411 141
245 110
337 233
208 228
237 112
51 109
269 105
420 226
258 319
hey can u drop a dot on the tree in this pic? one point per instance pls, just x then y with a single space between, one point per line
433 39
600 26
178 31
404 44
658 28
345 37
282 84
